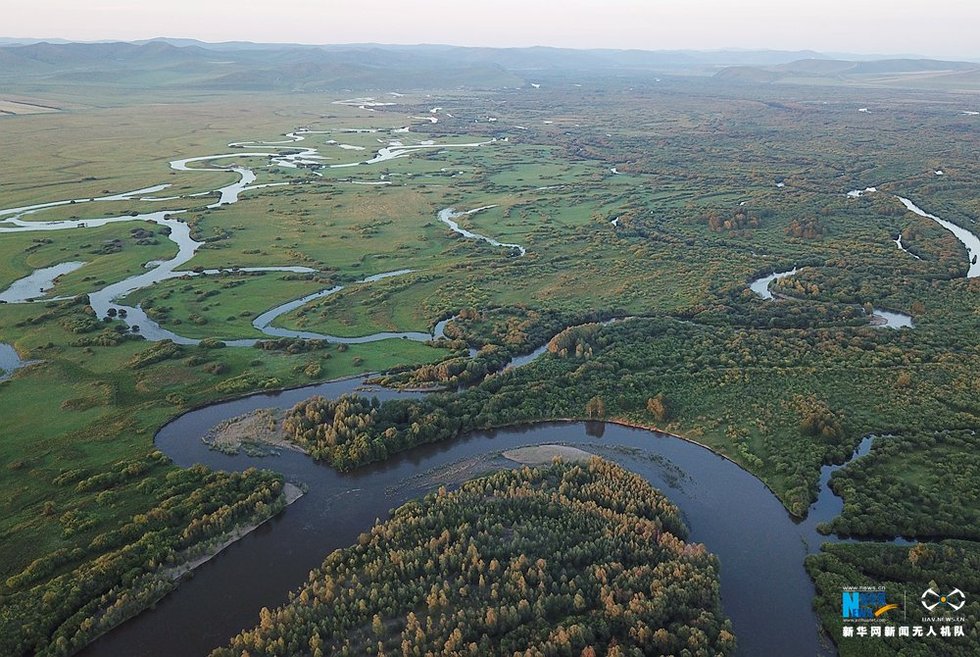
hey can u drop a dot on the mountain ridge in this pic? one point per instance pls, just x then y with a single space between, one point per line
248 66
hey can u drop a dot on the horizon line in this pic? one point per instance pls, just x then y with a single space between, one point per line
723 49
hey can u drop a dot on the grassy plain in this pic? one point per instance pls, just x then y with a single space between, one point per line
698 215
97 410
111 253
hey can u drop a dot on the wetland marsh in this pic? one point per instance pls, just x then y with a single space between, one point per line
484 260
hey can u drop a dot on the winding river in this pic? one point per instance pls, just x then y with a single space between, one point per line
281 153
765 589
761 285
969 240
285 153
880 317
449 216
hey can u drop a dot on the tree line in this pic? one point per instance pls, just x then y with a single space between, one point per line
65 599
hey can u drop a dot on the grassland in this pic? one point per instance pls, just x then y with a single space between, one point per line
698 215
111 253
97 410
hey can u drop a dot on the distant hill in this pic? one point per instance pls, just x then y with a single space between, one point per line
286 68
186 63
887 72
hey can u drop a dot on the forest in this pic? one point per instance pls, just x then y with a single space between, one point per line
780 401
66 599
919 485
584 560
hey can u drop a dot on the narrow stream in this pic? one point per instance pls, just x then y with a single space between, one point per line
969 240
761 285
888 318
449 216
879 318
102 301
10 361
38 283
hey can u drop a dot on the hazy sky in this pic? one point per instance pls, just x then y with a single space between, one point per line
946 28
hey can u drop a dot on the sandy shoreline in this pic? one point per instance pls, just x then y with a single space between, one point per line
290 491
545 454
262 426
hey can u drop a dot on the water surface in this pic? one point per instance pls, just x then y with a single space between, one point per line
36 285
765 589
10 361
761 285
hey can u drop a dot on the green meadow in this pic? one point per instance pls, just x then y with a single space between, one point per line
780 386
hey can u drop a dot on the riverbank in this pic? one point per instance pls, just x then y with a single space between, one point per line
326 388
725 506
262 427
10 361
631 424
290 493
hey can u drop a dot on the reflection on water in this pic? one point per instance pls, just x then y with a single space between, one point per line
761 285
760 547
10 362
891 319
38 283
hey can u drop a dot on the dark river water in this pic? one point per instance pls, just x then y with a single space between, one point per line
764 587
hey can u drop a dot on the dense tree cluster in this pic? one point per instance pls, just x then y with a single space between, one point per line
658 407
62 601
452 372
517 328
352 430
155 353
905 572
770 399
108 337
818 420
743 309
80 322
248 381
739 219
563 560
595 408
918 484
808 228
292 345
576 341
